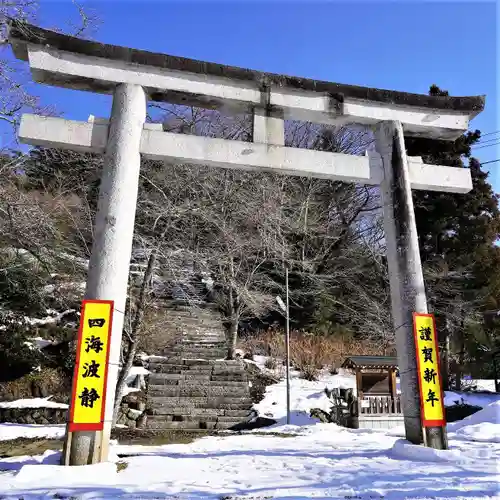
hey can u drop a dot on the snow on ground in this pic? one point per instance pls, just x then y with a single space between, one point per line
41 343
304 395
482 426
302 461
471 398
324 461
30 431
33 403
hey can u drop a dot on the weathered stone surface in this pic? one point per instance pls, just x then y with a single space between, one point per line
200 391
134 414
193 387
33 415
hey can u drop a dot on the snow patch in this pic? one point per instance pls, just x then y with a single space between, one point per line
28 431
33 403
304 396
483 426
408 451
46 475
471 398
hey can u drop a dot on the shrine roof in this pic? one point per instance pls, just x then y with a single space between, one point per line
370 362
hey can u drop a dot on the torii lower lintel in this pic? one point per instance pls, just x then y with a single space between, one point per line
91 137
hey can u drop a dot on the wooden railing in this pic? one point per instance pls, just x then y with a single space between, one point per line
379 405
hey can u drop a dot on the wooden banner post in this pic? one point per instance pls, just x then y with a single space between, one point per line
88 398
429 381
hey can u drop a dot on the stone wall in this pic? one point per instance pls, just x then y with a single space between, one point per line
132 412
44 416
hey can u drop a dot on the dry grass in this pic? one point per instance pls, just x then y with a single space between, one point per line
310 353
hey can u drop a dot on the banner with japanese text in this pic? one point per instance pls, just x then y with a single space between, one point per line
429 377
89 381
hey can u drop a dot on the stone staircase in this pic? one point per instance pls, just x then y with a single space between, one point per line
191 386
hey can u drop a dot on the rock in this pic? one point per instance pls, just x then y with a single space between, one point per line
256 423
121 419
134 414
130 398
259 381
142 420
29 419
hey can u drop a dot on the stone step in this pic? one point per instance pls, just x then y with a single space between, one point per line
200 345
202 333
205 354
191 425
202 341
205 417
196 353
219 365
210 355
204 319
171 303
196 348
202 336
165 405
194 367
196 391
227 369
175 364
177 377
196 344
196 412
214 383
164 425
194 329
164 361
241 413
232 377
176 361
228 363
200 383
206 412
197 362
184 410
166 378
190 312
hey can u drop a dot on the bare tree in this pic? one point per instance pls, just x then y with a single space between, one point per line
244 228
17 91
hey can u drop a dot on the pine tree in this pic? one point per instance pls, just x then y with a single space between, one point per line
457 233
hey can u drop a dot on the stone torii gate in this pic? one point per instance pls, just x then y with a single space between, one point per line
133 76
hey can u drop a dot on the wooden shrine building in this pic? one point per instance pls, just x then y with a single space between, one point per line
377 404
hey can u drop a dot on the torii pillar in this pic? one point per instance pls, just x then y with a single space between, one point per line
112 248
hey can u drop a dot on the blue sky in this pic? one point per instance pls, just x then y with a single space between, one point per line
397 45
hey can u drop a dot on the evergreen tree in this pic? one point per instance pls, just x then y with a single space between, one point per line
457 233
